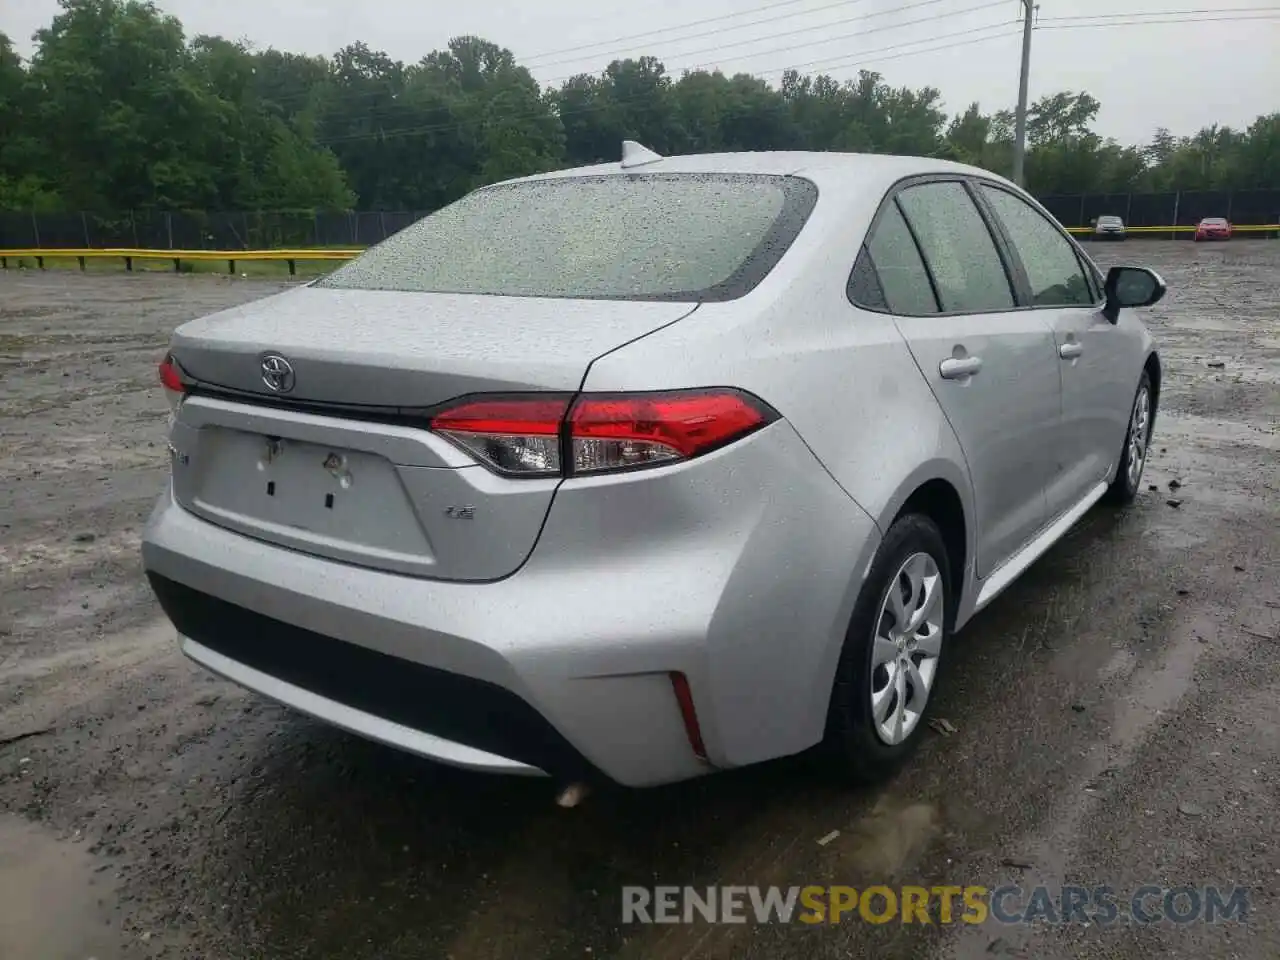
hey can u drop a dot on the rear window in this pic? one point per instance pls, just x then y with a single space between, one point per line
629 237
1214 222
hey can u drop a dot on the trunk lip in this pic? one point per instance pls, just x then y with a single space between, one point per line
388 414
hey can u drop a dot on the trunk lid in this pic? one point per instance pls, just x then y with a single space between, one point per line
384 348
340 465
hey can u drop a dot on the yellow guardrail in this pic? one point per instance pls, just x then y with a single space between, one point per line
230 257
129 254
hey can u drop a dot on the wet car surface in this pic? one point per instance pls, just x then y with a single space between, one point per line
1113 716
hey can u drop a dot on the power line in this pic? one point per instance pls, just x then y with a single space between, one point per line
551 81
1120 19
525 61
860 62
827 61
916 4
679 26
583 111
1150 23
835 63
1152 18
775 36
843 36
706 33
1161 13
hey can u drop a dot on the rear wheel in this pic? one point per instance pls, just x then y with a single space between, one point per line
888 670
1137 440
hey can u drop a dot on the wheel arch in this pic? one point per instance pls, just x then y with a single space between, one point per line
940 491
939 497
1154 372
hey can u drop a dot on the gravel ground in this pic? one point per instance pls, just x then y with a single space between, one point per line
1115 712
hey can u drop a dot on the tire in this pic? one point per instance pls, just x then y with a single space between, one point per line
1124 488
854 743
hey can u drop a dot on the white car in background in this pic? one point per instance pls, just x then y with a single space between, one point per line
1108 228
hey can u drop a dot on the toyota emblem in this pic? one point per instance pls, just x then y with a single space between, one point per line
277 373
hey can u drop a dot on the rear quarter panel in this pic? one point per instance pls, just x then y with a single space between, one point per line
842 377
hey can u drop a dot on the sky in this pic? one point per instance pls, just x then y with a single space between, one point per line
1218 65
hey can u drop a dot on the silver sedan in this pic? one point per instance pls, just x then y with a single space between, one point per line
649 469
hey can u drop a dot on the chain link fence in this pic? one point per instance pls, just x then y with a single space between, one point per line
1178 209
158 230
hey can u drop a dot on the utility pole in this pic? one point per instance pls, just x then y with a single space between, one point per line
1020 121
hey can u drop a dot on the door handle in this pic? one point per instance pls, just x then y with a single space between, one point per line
955 369
1070 350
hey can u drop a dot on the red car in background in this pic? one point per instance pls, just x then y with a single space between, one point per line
1213 228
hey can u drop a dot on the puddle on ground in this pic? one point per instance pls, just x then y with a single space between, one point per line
49 898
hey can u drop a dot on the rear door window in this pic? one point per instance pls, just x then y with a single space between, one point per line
962 256
892 258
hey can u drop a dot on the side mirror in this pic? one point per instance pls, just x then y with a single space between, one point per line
1131 287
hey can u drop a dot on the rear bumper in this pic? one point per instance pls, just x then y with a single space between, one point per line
563 667
365 723
384 698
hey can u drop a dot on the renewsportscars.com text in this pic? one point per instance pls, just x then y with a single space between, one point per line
970 904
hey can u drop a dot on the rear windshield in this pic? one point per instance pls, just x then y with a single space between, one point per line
639 237
1214 222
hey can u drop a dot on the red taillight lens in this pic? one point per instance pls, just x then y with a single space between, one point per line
170 377
171 380
625 431
525 436
519 436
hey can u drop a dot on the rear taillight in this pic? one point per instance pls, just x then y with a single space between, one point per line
171 380
518 436
622 431
544 435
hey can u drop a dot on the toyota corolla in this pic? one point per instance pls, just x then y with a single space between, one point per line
653 468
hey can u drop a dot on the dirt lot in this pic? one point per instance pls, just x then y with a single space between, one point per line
1116 712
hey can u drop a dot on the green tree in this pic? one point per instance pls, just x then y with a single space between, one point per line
503 118
969 135
1258 165
116 110
24 181
122 122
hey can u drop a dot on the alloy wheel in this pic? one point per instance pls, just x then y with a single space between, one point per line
1139 435
907 647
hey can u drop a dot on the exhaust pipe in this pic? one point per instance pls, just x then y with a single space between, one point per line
572 795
